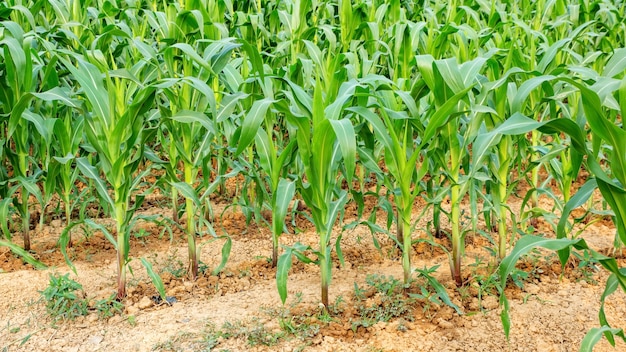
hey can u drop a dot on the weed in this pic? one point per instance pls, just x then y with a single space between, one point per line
188 341
519 276
108 307
174 266
254 332
588 266
62 298
383 301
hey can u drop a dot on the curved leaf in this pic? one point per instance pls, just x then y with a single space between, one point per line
251 123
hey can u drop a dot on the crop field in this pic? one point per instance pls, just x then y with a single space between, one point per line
312 175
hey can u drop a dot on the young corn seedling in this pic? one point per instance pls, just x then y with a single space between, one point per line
402 152
191 131
274 164
115 130
324 139
458 123
69 132
24 96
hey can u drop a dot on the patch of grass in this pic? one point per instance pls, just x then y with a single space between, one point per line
301 326
108 307
175 266
254 332
381 302
587 266
207 340
64 298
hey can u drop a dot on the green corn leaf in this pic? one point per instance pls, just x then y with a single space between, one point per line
442 116
92 82
282 271
57 94
264 151
188 116
20 252
523 246
224 257
519 124
335 208
550 54
282 196
616 197
187 191
527 243
611 286
617 63
221 58
595 334
90 172
30 185
254 57
347 142
43 127
520 99
322 147
578 199
482 147
504 315
251 123
4 216
283 161
156 279
425 66
17 113
192 54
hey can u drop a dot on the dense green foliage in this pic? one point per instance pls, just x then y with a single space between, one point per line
314 100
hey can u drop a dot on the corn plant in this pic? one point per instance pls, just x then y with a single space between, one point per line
68 130
454 117
274 163
603 127
191 131
402 158
324 139
26 103
115 130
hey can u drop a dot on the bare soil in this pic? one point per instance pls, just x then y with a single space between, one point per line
240 309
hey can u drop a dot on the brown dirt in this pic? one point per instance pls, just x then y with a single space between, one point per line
240 309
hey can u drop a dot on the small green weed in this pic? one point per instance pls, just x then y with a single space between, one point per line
108 307
587 266
62 297
383 301
254 332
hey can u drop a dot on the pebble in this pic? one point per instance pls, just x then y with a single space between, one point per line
132 310
444 324
145 303
490 302
95 340
188 286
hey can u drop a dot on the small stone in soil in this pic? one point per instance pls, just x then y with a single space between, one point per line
145 303
132 310
96 340
168 299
